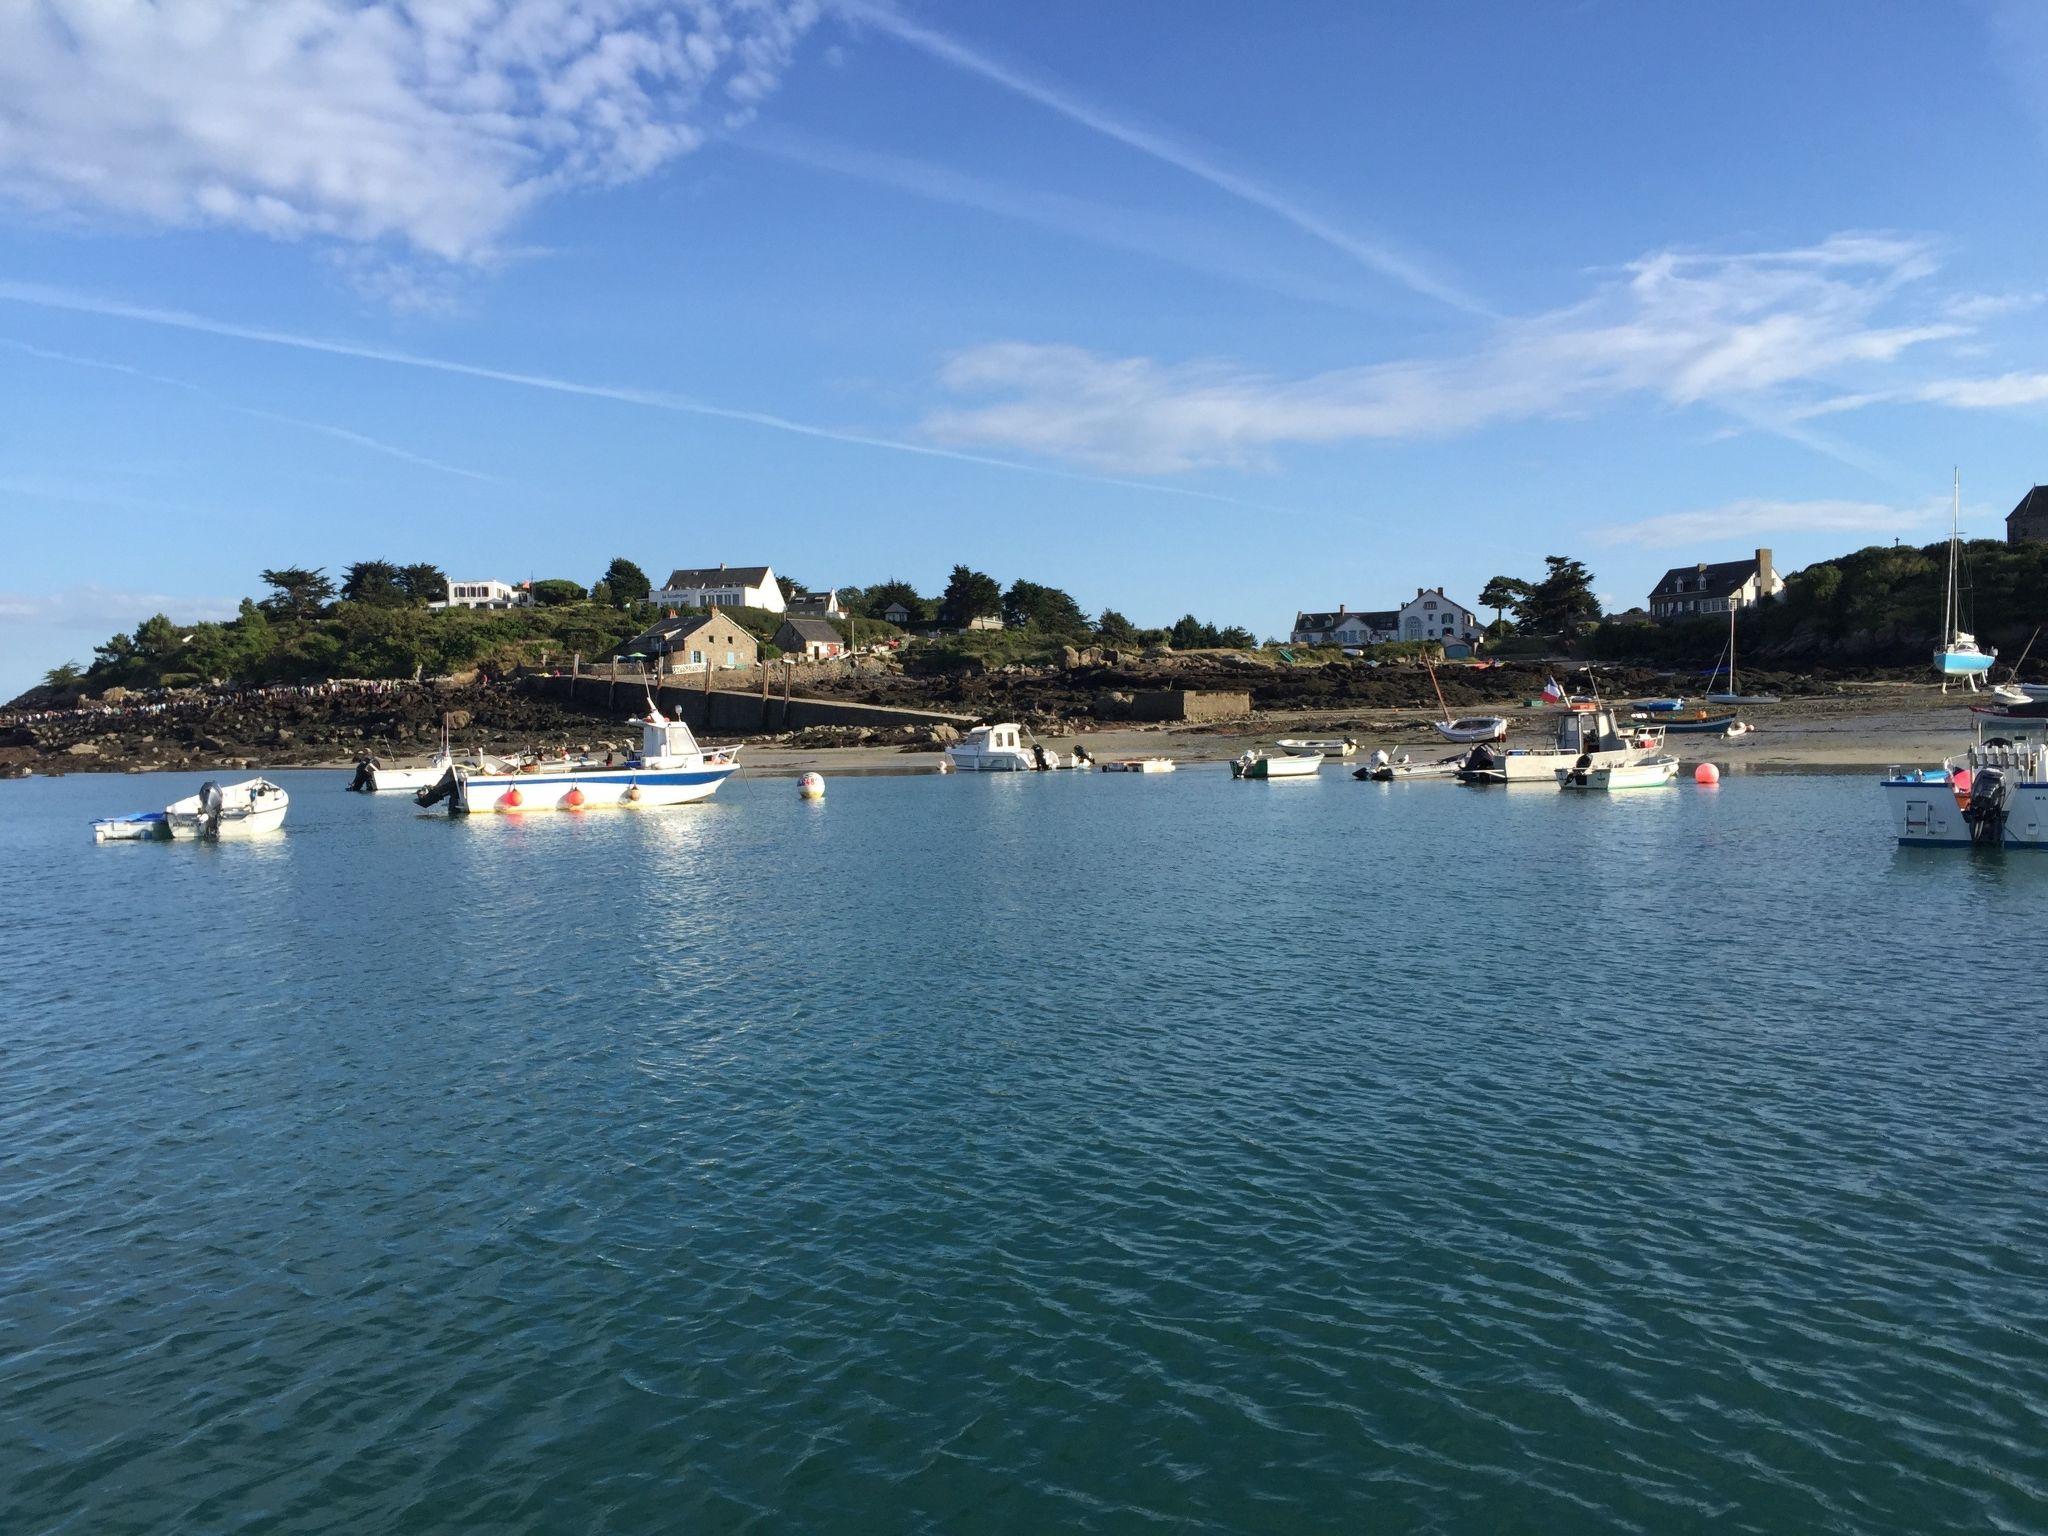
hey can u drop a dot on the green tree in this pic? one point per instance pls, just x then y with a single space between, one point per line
374 582
601 594
423 583
65 674
628 583
1564 597
557 592
1114 629
969 595
297 593
1503 593
876 599
1191 634
1238 638
1045 608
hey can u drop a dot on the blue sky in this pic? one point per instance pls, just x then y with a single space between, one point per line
1180 306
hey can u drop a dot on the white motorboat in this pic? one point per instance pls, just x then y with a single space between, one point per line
1139 765
1993 794
670 769
373 778
1595 737
1342 748
1650 773
1383 768
247 809
142 827
991 749
1260 765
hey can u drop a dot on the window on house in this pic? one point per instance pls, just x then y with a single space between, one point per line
696 658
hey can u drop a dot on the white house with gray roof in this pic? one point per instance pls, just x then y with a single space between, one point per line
723 586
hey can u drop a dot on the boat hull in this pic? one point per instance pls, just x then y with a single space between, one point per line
1544 767
1926 814
1653 774
143 827
386 781
1280 767
233 824
1478 729
1963 663
627 788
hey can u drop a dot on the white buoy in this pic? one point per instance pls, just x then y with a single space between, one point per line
811 787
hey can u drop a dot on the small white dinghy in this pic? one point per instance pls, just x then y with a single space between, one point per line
1139 765
1650 773
1257 765
1293 748
142 827
247 809
1473 728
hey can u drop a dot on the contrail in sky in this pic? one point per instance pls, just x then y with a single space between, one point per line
1380 258
43 296
358 439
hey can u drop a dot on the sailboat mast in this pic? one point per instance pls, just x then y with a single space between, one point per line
1733 686
1948 596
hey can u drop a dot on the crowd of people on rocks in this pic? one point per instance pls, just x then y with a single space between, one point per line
131 703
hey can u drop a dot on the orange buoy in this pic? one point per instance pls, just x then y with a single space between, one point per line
511 799
574 798
1706 774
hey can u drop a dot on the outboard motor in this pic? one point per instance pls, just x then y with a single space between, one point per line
211 804
1990 802
452 787
1081 757
362 783
1038 757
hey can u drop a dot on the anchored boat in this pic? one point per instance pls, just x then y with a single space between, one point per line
991 749
1994 794
1960 655
1594 737
671 769
1650 773
247 809
1139 765
1258 765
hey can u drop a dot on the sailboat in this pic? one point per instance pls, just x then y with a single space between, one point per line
1472 728
1735 695
1960 655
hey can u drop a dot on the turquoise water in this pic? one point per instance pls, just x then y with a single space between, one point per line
1017 1154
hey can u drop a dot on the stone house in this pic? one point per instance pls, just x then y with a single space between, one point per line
1686 591
812 639
2027 523
700 642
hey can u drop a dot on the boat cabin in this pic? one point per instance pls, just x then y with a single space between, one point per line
1592 732
664 741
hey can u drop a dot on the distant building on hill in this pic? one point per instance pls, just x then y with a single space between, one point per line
486 594
708 641
724 586
1346 627
899 615
811 639
1688 591
818 605
1429 615
2027 523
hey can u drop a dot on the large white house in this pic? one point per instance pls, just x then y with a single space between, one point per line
727 586
486 594
1346 627
1429 615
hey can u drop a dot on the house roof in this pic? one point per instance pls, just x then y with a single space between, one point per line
718 576
668 634
811 630
1326 621
2033 504
1705 580
897 607
1436 592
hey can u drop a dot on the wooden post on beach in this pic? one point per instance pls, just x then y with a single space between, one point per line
764 695
788 681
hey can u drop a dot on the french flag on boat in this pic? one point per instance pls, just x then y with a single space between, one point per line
1553 690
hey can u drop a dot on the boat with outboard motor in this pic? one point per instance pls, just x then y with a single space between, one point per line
1261 765
247 809
1647 773
1139 765
1699 723
1385 768
1992 794
670 769
1594 737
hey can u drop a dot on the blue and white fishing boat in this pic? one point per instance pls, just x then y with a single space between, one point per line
670 769
1960 655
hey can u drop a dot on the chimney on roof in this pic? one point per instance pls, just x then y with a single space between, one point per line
1763 573
1342 609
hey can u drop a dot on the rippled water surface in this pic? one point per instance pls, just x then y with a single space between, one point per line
1018 1154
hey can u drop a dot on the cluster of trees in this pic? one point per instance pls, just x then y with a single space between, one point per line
1556 605
1033 607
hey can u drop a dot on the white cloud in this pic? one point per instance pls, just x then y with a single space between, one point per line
106 609
429 124
1749 522
1731 331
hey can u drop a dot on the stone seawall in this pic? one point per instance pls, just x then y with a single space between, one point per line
732 712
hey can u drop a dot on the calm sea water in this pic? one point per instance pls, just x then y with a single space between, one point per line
1016 1154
